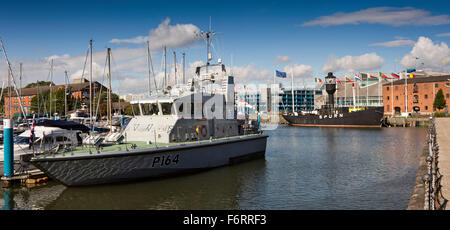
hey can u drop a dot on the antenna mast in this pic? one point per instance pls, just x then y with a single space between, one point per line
175 66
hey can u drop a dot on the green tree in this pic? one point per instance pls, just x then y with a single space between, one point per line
439 101
39 83
58 102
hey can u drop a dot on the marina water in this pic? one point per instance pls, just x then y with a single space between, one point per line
304 168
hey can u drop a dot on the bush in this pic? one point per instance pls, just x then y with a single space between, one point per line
439 114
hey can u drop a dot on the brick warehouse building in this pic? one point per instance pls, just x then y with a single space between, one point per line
421 93
78 89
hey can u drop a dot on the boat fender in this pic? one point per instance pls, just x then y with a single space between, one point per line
203 131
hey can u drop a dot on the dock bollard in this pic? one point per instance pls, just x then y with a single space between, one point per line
8 148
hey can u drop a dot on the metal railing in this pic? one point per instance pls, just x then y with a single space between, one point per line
434 200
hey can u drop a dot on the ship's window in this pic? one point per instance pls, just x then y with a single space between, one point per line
166 108
149 109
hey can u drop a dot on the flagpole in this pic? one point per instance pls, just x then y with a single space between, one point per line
292 91
406 93
367 90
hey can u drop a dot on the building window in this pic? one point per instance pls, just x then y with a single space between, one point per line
426 107
447 95
416 99
388 98
387 88
436 85
415 88
426 96
396 88
396 98
425 86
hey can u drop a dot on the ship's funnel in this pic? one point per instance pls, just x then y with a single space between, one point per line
330 86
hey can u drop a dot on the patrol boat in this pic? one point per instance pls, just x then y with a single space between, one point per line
190 127
331 116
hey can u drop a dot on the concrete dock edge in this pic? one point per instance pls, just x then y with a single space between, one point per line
417 199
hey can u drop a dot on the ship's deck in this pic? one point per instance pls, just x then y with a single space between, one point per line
134 145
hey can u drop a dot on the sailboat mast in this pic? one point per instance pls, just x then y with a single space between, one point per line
109 89
20 87
165 69
51 88
175 66
9 93
65 93
148 62
184 72
90 87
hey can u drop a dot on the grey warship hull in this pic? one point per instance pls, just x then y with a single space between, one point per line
120 166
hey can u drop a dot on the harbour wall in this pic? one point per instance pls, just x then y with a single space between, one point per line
417 199
406 121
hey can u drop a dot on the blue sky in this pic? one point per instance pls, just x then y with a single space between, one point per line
253 33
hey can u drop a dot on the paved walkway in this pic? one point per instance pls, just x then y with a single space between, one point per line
443 140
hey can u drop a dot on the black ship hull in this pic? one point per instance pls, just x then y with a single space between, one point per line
344 117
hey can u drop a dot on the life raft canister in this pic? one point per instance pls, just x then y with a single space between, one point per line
203 131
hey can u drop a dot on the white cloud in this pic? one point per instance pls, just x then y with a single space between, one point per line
136 40
382 15
443 35
299 71
167 35
365 62
430 54
395 43
282 59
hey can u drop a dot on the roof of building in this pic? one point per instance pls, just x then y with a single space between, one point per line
421 80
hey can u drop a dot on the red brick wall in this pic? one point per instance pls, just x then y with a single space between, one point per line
425 92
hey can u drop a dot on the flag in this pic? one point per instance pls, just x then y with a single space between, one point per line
370 76
383 76
338 81
346 78
396 60
280 74
395 75
320 80
443 61
357 77
412 76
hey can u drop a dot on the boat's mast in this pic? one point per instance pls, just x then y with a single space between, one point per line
175 66
20 87
165 69
109 89
90 87
148 63
51 88
9 94
184 73
65 93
